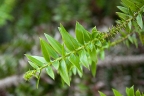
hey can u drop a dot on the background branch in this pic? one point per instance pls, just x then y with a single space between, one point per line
109 61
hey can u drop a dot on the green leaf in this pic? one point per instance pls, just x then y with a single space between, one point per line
34 60
74 70
55 44
130 25
93 54
131 91
102 54
63 51
82 34
79 33
75 61
45 51
69 41
138 93
63 72
50 72
122 15
95 33
123 9
84 59
50 50
56 64
139 21
116 93
130 5
93 68
130 39
33 65
98 43
101 94
42 59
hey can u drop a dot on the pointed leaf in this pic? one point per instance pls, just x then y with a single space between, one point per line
34 60
33 65
138 93
50 50
94 68
122 15
102 54
69 41
55 44
95 33
42 59
130 25
93 54
63 51
101 94
50 72
84 59
56 65
79 33
116 93
75 61
82 34
131 91
139 21
45 51
63 72
123 9
130 4
74 70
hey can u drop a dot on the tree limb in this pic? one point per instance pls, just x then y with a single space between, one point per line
108 61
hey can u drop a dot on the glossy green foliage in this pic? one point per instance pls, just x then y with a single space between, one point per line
70 56
129 92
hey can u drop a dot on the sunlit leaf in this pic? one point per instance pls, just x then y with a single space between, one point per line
50 50
101 94
56 65
50 72
55 44
84 59
139 21
45 51
63 72
116 93
79 33
33 65
75 61
138 93
123 9
69 41
34 60
94 68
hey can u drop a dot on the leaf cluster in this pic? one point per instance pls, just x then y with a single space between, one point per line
74 53
129 92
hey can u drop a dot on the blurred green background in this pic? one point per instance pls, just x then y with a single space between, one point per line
22 22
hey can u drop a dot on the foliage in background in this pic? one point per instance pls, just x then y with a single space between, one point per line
129 92
12 52
83 51
5 9
67 10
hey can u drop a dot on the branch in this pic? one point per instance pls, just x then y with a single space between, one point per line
9 81
109 61
121 60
